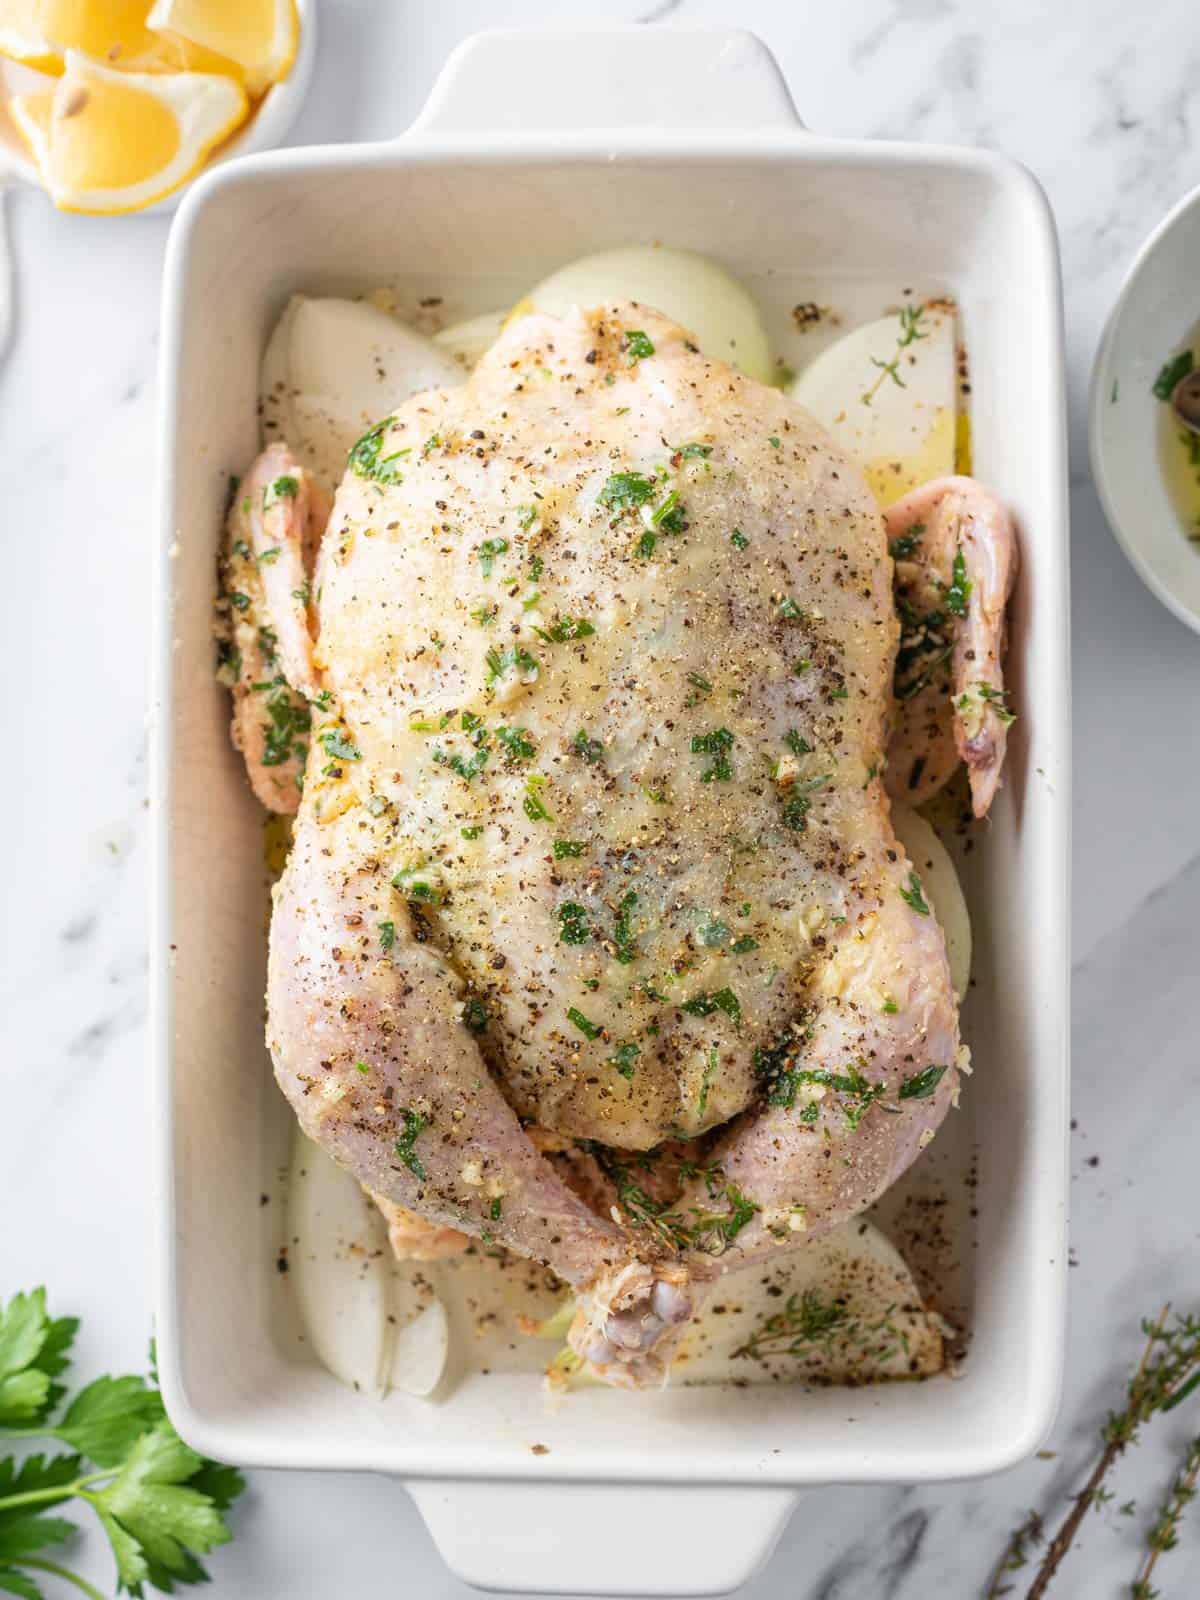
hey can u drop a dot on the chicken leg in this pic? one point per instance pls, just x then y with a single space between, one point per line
956 561
854 1092
370 1048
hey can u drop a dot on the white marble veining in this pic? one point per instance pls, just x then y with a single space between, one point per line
1102 100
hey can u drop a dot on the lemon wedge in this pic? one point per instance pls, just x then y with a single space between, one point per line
260 35
110 142
38 33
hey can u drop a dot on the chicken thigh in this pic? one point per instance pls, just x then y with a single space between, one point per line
593 835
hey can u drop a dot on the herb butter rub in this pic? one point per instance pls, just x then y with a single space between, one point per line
593 835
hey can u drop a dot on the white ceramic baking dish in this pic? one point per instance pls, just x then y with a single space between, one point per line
536 147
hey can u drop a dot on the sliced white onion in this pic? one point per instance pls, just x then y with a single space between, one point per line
688 288
940 883
333 368
896 421
856 1279
420 1351
338 1268
467 341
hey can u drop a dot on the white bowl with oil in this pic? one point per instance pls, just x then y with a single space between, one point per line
1149 487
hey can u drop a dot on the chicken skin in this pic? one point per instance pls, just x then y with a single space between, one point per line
593 835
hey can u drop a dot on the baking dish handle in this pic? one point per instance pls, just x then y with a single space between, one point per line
631 76
603 1539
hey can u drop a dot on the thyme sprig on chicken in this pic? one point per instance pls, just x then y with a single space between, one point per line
712 1231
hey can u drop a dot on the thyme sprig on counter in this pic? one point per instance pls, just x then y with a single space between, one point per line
1164 1532
1167 1374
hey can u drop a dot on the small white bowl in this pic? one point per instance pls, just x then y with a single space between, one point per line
268 126
1155 311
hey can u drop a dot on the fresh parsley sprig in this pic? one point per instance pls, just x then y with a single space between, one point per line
160 1504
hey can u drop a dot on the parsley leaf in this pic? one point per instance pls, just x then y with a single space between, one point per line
413 887
105 1419
566 629
156 1523
487 553
339 745
573 925
796 807
922 1084
587 1028
1171 372
797 802
626 489
717 743
367 461
158 1501
24 1386
913 896
517 744
959 592
501 662
624 1057
37 1474
591 750
281 489
637 346
623 937
534 805
704 1004
669 516
467 767
905 543
414 1126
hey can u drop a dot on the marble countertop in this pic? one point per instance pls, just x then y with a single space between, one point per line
1102 101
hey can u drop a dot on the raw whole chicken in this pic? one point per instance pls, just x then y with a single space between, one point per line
593 852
